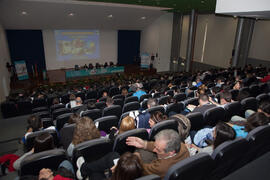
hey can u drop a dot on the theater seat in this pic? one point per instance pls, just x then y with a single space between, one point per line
59 112
167 124
115 110
93 114
61 120
145 96
91 95
232 109
105 123
56 106
227 156
40 109
32 164
254 90
47 122
101 104
262 97
120 145
196 167
174 107
114 91
66 135
259 140
92 150
29 143
39 103
213 115
155 109
163 100
193 101
118 96
248 103
196 120
234 93
130 99
43 114
180 97
119 102
130 106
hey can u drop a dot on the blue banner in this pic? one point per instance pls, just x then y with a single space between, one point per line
21 70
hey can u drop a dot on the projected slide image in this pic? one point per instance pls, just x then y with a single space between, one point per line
77 44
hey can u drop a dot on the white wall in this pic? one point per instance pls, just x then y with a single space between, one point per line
108 50
219 40
4 58
156 38
184 36
259 48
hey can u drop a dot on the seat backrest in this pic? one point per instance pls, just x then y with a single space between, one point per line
163 100
43 114
46 122
254 90
262 97
9 109
167 124
24 107
56 106
259 142
66 135
180 97
114 91
39 102
75 109
174 107
232 109
156 95
226 156
119 102
91 95
65 98
155 109
59 112
92 150
39 109
149 177
213 115
102 99
61 120
170 92
118 96
145 96
130 99
249 103
32 164
130 106
193 101
196 167
29 144
112 110
101 104
93 114
144 104
120 145
196 121
105 123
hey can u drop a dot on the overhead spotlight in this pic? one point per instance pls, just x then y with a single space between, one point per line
143 18
234 16
24 13
71 14
110 16
202 2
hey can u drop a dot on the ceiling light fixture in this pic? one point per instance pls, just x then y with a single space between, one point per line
202 2
24 13
143 18
71 14
110 16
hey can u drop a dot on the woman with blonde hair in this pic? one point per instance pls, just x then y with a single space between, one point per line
85 130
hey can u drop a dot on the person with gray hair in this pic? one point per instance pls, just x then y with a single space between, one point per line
168 148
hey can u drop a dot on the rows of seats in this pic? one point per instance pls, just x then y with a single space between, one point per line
225 159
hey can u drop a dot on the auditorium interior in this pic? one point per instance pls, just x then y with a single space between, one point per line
134 89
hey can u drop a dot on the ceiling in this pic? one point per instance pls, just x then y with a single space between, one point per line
55 14
183 6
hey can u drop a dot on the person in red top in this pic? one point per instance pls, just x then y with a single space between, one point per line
266 78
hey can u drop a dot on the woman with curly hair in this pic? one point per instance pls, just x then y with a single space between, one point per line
85 130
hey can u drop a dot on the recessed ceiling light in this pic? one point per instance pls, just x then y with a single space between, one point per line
234 16
202 2
110 16
24 13
71 14
143 17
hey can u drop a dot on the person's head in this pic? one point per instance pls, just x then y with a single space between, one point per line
255 120
167 143
127 123
79 101
128 167
55 101
151 103
225 97
184 125
72 97
85 130
91 105
156 117
264 107
73 118
109 101
43 142
223 132
34 122
124 92
203 99
238 85
104 94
